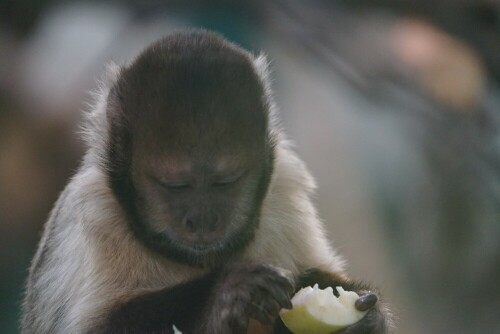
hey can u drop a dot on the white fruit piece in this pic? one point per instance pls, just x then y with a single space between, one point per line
317 311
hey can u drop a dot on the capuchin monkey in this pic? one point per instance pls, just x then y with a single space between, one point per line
189 209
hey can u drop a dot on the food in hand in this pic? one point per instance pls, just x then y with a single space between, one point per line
317 311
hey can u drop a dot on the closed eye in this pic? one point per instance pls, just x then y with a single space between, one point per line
174 186
177 186
228 180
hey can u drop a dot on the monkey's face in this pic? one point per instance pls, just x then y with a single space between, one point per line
199 202
193 175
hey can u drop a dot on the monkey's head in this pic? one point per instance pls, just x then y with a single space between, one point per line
190 153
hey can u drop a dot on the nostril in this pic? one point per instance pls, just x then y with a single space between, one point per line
197 224
213 223
189 224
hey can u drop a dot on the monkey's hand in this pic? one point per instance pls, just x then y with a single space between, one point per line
376 321
249 290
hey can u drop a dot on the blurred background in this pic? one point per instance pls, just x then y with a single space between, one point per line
393 104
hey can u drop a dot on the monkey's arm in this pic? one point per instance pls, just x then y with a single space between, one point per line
376 321
156 312
221 302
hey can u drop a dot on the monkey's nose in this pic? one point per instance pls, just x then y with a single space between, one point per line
203 230
190 224
205 223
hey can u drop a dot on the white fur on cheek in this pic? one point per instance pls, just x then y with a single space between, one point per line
290 234
96 129
94 259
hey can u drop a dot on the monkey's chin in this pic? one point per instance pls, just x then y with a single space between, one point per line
205 255
198 254
209 254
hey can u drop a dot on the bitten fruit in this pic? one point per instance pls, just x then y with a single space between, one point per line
317 311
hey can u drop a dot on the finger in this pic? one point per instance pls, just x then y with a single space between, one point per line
286 303
282 297
366 302
261 313
272 309
282 279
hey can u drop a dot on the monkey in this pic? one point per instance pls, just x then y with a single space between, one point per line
190 207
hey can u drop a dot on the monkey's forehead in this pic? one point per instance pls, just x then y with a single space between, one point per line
191 85
183 166
196 94
183 147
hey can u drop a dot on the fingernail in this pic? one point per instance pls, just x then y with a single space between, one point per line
366 302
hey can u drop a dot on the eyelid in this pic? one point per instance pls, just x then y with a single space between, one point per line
172 185
230 179
175 184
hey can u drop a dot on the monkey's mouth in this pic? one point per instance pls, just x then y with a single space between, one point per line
205 251
202 240
200 244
